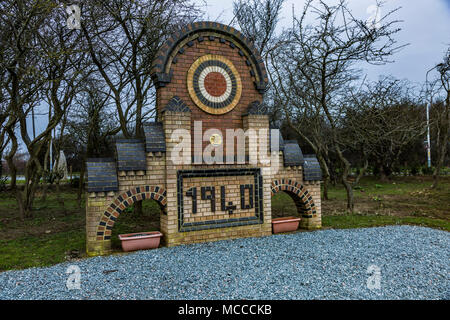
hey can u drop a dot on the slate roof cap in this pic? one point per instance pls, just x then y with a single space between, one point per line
311 168
102 175
131 154
155 140
292 154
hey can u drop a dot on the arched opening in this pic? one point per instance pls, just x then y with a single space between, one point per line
152 197
133 221
283 205
290 198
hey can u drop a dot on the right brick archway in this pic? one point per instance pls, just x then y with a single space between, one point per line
302 198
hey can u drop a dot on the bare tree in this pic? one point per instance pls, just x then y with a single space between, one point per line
4 140
258 20
20 22
320 60
381 121
65 68
443 118
303 117
92 122
123 38
37 59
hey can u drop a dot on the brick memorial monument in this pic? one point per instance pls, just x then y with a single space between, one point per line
204 160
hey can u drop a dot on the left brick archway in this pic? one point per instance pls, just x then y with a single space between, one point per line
124 200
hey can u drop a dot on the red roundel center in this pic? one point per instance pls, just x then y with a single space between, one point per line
215 84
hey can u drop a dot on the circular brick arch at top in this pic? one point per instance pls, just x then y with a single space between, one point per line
123 201
207 31
302 198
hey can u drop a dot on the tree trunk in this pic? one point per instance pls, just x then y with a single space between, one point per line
361 172
345 172
383 176
348 188
325 188
81 183
25 198
45 175
59 198
326 174
22 210
138 208
442 147
350 198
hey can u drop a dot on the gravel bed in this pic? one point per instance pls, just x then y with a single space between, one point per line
328 264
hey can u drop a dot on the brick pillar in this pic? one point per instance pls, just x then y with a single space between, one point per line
96 204
155 176
172 121
315 221
256 122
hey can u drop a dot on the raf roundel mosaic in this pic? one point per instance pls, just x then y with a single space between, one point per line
214 84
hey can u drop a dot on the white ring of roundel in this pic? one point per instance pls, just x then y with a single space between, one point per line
201 84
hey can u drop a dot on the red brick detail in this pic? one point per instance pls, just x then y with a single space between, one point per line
195 30
178 87
298 193
115 209
215 84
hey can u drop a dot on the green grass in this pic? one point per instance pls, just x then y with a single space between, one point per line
39 251
399 186
52 233
357 221
283 205
46 238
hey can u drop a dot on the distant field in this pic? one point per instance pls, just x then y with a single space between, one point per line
55 235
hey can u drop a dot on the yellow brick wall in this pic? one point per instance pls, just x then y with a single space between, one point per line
162 172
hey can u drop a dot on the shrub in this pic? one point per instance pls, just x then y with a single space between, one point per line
75 182
427 171
376 171
3 182
414 171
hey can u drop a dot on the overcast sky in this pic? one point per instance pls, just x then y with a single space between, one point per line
425 26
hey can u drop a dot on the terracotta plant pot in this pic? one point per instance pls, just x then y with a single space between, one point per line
140 240
285 224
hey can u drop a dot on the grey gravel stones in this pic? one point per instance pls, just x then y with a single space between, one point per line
413 263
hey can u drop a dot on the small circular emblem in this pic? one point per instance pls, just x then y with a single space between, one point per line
214 84
215 139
